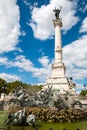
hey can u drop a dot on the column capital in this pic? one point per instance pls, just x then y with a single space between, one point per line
57 22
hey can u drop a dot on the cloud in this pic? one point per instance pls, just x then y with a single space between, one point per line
3 60
84 8
23 33
9 25
23 64
26 3
79 88
9 77
75 58
41 18
44 61
43 73
84 26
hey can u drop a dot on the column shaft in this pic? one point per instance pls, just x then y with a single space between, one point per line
58 41
57 37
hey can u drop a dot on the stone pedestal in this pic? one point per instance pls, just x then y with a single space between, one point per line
57 80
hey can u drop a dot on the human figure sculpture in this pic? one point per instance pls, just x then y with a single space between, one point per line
31 119
19 117
57 12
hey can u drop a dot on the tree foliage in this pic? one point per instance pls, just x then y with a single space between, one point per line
3 83
16 85
83 93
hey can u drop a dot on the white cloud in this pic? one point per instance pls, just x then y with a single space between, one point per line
75 58
41 19
83 9
9 77
23 64
79 88
74 55
3 60
9 25
84 26
26 3
43 72
23 33
44 61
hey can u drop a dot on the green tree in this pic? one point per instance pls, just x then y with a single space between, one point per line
83 93
3 83
16 85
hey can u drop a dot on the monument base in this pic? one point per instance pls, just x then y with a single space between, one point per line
59 84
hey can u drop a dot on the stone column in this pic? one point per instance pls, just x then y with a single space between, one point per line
58 42
57 79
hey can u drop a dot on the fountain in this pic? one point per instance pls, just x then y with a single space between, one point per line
54 103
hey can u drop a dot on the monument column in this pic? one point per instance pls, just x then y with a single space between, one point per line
58 42
57 79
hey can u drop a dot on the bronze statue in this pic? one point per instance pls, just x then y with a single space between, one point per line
57 11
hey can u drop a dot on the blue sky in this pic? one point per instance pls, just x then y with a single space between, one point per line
27 39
